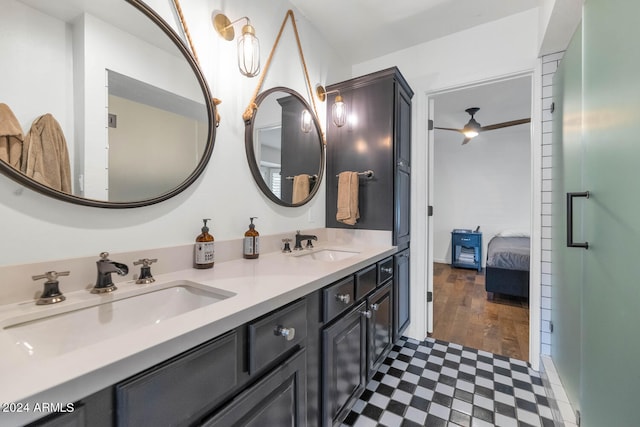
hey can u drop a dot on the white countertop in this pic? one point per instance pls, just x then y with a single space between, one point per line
261 285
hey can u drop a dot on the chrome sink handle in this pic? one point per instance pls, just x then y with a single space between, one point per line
145 271
51 293
344 298
288 333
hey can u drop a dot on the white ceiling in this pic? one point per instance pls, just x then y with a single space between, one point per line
360 30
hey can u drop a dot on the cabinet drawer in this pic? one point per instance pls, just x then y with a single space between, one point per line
338 297
466 240
279 399
182 389
385 270
275 334
365 281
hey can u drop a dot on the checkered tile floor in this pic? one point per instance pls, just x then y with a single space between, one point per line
436 383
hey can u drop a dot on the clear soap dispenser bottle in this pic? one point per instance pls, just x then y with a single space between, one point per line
204 250
251 241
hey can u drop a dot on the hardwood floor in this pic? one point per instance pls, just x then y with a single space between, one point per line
463 314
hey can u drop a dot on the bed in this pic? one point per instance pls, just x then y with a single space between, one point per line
507 267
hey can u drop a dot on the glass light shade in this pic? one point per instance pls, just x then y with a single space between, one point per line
249 52
339 112
470 133
305 121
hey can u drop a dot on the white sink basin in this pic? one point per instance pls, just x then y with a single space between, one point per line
81 326
329 255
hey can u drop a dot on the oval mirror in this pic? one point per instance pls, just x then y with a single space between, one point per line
284 147
103 104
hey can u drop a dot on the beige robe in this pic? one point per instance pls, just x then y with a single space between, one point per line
11 139
45 156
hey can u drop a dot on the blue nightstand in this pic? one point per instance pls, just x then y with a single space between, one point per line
466 249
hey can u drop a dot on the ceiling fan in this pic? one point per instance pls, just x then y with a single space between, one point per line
473 128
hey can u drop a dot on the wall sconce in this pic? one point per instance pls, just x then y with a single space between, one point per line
306 121
338 110
248 44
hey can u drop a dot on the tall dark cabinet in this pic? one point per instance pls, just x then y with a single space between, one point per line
377 137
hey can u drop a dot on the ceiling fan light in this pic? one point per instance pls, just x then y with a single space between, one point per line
470 133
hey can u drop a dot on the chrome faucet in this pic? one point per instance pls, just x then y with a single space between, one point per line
105 268
301 237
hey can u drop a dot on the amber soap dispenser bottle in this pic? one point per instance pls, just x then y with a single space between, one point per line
204 250
251 241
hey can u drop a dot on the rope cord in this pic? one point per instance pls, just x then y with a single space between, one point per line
185 29
248 113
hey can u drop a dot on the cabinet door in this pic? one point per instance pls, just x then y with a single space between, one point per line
356 147
400 293
279 399
344 364
380 326
402 176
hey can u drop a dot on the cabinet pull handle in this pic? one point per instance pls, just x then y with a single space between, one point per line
366 313
570 242
374 307
287 333
344 298
387 270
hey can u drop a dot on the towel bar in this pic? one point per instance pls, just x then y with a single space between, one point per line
310 177
367 174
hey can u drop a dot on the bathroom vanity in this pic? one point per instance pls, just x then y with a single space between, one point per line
292 339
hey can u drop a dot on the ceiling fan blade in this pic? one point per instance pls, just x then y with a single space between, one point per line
455 130
464 141
505 124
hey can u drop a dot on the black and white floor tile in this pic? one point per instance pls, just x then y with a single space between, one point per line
436 383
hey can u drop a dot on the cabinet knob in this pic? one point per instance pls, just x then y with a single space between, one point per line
287 333
344 298
367 314
387 270
375 307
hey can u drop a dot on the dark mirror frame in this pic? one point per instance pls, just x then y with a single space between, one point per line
211 112
251 155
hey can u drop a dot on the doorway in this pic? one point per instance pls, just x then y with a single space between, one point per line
485 183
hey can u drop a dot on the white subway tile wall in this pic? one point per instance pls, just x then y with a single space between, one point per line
549 67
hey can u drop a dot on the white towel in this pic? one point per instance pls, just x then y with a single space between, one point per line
348 212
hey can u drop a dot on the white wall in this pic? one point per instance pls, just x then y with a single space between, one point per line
484 183
37 228
501 48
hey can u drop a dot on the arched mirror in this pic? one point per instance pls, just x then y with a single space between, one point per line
112 91
284 147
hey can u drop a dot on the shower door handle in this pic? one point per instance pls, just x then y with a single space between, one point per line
570 242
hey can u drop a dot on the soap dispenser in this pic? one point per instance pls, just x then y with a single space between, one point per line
251 241
204 250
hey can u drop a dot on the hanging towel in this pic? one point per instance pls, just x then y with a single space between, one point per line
348 212
11 139
45 156
300 188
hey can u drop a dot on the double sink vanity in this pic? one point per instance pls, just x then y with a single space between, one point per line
287 339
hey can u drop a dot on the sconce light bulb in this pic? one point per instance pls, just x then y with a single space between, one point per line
306 121
249 52
339 112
